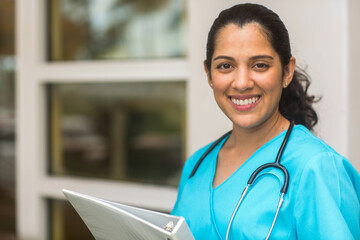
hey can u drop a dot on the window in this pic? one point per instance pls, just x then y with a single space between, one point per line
129 131
7 119
65 223
105 103
116 29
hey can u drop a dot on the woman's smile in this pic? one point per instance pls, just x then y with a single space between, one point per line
245 103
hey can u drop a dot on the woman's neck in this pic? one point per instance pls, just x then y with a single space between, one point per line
257 136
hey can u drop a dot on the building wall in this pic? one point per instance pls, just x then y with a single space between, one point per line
353 50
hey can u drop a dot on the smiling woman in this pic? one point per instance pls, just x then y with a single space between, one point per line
247 75
255 82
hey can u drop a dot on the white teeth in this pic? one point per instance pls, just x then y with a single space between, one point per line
244 102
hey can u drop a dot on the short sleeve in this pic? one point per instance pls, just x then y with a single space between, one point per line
327 203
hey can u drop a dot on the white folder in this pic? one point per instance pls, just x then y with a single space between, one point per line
108 220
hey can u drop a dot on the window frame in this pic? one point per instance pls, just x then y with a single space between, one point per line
34 185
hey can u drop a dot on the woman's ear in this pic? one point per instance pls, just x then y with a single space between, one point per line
289 72
208 74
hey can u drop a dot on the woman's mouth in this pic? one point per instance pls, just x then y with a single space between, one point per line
244 101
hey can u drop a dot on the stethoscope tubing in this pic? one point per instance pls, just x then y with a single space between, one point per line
253 176
213 145
272 165
277 164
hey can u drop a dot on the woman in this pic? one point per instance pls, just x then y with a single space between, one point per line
252 74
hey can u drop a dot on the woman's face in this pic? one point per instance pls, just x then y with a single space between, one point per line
247 76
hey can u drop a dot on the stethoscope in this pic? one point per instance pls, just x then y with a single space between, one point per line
253 176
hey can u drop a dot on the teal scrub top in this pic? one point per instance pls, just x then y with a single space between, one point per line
322 201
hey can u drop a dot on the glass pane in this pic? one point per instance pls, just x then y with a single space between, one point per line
7 148
116 29
122 131
65 223
7 120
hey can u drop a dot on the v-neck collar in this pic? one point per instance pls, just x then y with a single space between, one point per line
214 164
218 148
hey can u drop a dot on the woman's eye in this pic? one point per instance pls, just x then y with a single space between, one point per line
261 66
224 66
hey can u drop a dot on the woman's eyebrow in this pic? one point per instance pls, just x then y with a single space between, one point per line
260 57
223 57
251 58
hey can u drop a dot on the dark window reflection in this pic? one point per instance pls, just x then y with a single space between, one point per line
65 223
121 131
7 120
116 29
7 148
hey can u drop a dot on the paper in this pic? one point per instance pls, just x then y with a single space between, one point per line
108 220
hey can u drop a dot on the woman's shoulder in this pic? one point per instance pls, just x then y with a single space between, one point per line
195 157
211 150
307 151
326 189
190 164
306 141
311 154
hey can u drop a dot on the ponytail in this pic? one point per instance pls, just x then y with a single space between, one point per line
295 103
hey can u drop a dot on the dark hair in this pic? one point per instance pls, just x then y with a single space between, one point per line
295 104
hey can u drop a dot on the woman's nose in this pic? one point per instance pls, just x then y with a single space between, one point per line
242 80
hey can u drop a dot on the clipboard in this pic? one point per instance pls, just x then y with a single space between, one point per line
108 220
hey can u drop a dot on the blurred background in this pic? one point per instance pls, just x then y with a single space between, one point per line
7 120
109 98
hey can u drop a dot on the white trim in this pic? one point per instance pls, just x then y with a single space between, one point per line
158 70
157 197
27 170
